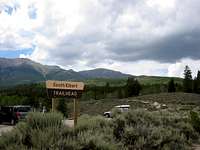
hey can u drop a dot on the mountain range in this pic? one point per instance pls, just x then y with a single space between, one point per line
22 71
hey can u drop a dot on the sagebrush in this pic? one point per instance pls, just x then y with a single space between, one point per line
135 130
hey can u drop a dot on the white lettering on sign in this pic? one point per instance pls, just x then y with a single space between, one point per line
65 93
64 85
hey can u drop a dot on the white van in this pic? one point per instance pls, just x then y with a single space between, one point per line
122 108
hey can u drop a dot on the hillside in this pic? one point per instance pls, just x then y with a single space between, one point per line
172 98
103 73
22 71
157 80
180 101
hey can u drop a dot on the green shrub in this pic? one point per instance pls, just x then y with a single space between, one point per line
36 120
67 143
62 107
45 138
156 130
143 137
118 127
136 129
94 141
187 129
15 147
67 132
87 122
115 112
195 120
17 137
40 131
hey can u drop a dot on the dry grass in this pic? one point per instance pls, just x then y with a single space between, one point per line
181 100
174 98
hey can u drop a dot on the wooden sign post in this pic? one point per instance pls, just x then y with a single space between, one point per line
53 103
75 111
67 89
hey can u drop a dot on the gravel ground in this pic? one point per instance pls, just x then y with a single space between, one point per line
69 123
196 147
5 128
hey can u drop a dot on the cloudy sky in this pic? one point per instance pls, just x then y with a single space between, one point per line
150 37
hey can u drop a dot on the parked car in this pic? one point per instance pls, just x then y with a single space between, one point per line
12 114
121 108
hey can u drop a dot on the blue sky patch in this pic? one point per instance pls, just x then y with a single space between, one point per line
32 12
15 53
8 10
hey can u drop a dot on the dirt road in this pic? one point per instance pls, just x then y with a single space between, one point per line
196 147
5 128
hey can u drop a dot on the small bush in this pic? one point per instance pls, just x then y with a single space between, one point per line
118 127
46 138
195 120
42 121
115 112
86 122
94 141
40 131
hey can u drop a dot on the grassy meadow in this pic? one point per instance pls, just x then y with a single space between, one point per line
157 120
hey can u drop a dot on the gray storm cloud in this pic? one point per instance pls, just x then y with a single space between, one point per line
95 31
132 31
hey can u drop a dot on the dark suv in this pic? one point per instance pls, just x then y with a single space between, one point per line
12 114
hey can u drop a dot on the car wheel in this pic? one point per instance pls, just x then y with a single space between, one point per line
107 115
12 121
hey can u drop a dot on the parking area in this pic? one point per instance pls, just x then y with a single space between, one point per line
5 128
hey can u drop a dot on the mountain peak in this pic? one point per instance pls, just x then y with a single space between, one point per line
103 73
23 70
8 62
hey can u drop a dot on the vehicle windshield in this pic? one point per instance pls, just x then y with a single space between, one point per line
23 109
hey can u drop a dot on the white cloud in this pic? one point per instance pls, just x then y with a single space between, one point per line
138 37
14 27
177 68
162 5
151 68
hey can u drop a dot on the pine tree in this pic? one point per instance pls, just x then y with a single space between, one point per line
133 87
62 107
119 93
198 75
106 89
171 86
187 81
198 82
196 86
95 92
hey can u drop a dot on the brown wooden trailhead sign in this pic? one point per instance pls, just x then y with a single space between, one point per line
57 89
